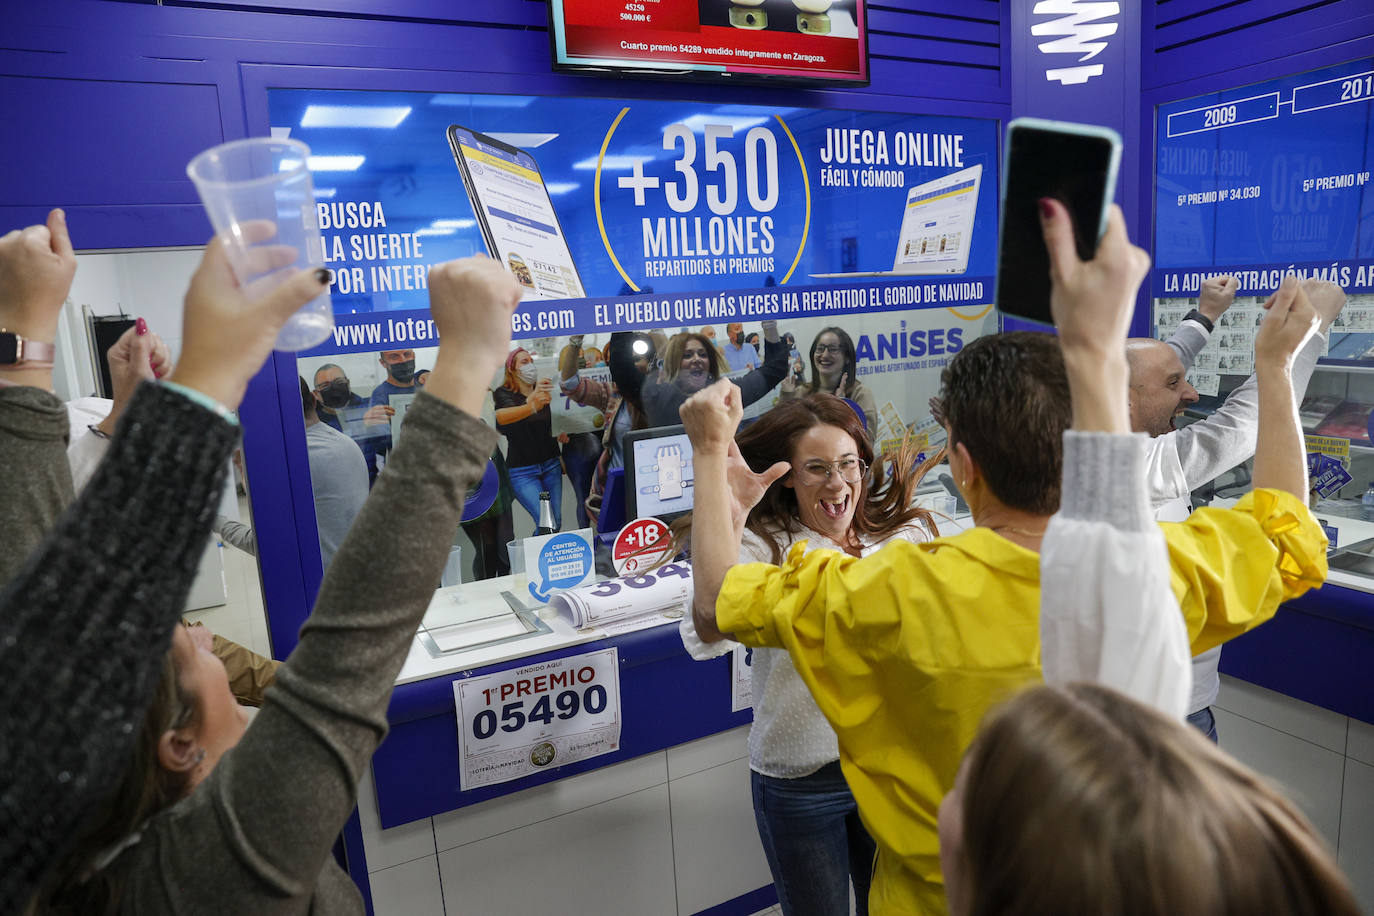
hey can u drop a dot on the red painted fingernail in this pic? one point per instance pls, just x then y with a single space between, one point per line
1046 211
157 373
140 327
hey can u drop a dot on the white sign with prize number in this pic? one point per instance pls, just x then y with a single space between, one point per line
519 722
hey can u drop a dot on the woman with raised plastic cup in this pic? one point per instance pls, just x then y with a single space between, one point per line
259 193
200 813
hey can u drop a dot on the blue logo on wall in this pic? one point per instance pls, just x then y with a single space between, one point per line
564 561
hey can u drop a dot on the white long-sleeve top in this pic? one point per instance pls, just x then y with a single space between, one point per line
1185 459
790 737
1107 613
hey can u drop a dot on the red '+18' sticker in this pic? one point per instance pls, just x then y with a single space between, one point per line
639 545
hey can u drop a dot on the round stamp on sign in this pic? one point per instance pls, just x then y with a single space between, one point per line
640 545
542 755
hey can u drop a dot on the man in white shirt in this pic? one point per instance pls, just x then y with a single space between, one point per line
1181 460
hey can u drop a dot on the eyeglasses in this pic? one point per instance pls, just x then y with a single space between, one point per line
816 473
834 349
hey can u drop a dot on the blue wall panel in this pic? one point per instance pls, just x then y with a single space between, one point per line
1318 648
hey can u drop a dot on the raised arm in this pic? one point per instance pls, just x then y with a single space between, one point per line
36 269
106 586
1280 460
1186 459
1232 568
724 492
292 780
765 378
1191 335
1106 611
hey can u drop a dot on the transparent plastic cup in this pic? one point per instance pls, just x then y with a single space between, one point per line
259 195
516 550
453 568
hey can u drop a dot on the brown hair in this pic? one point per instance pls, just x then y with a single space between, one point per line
1078 800
1006 398
76 886
884 506
307 399
672 355
851 360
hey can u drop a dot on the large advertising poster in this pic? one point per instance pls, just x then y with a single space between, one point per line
1261 181
866 241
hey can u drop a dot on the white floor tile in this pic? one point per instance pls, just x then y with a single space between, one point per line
612 858
386 848
1360 743
1310 775
1356 851
1299 719
716 845
242 611
411 889
711 751
521 809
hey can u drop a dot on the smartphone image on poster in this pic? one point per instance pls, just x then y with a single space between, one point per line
1075 164
516 214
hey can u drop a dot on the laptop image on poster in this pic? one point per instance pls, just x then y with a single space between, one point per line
937 228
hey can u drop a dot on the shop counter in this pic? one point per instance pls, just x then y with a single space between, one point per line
666 699
1320 647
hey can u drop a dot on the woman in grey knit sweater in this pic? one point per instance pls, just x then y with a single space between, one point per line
208 817
91 593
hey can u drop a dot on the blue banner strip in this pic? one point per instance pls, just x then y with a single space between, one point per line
1353 275
408 328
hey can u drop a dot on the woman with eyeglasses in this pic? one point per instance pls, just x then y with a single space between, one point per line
807 819
833 361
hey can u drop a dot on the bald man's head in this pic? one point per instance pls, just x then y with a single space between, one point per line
1159 386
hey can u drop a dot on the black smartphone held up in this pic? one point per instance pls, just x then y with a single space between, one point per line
1074 163
516 213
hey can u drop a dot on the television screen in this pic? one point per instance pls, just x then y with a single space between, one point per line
807 41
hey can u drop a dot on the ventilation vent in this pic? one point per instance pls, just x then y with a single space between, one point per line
1190 38
950 48
520 14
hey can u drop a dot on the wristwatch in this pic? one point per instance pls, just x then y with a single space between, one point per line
1200 318
16 351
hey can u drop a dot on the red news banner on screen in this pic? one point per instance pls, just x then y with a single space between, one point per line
811 38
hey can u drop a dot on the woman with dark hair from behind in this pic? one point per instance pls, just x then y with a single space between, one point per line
834 363
629 357
807 818
692 361
89 613
1076 800
209 816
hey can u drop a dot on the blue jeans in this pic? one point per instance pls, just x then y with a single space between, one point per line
527 481
580 457
1205 722
814 842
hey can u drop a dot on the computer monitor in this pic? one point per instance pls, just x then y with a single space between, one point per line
658 473
937 224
